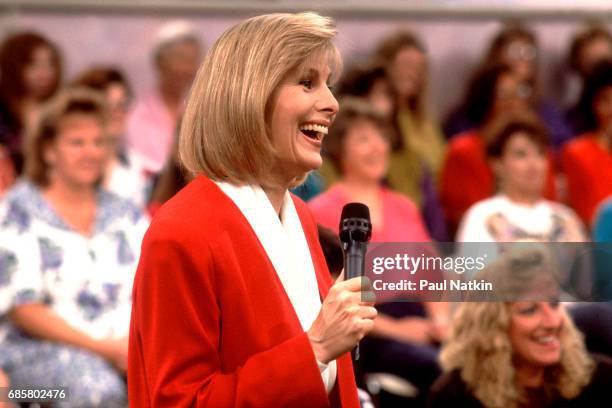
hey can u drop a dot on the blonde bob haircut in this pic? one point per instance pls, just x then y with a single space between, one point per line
224 134
480 348
43 133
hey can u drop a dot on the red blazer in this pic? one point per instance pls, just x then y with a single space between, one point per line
211 323
467 177
588 168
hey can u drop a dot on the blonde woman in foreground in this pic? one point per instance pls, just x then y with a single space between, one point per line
233 302
521 352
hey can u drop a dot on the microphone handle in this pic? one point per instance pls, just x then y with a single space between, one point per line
354 264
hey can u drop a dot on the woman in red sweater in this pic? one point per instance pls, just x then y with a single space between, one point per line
233 305
587 160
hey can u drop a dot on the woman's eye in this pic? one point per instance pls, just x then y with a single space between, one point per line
307 83
528 310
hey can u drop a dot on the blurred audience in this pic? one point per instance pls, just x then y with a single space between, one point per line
517 146
125 173
151 124
369 80
311 187
91 161
516 46
590 46
405 60
523 351
170 181
31 71
466 176
73 254
358 146
404 333
407 172
587 160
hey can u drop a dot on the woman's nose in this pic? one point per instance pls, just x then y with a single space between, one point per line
551 316
327 101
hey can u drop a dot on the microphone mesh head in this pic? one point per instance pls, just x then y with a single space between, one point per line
355 210
355 223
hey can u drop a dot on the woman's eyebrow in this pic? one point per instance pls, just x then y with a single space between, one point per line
310 72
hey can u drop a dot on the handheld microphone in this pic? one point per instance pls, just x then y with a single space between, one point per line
355 232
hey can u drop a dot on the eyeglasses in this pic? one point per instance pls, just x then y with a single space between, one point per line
518 51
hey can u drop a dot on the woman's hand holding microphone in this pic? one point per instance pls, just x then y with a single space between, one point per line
346 316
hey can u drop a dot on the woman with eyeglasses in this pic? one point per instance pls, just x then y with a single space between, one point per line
466 175
516 46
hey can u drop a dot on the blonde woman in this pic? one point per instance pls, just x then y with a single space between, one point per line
233 302
521 351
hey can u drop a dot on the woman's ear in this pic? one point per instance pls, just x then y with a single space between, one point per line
49 155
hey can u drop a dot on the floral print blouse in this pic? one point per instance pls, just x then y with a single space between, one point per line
86 280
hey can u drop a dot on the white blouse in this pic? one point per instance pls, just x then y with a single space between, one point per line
87 281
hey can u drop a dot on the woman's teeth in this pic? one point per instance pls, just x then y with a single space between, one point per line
314 131
545 339
315 128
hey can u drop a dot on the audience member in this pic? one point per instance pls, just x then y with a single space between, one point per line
31 70
405 60
590 46
466 176
408 173
516 46
358 145
587 160
521 351
73 254
369 80
517 145
125 173
152 122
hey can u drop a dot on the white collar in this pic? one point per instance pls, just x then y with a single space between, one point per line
285 244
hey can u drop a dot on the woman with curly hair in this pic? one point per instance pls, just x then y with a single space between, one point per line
520 351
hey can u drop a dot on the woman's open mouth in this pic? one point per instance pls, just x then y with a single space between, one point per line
314 131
